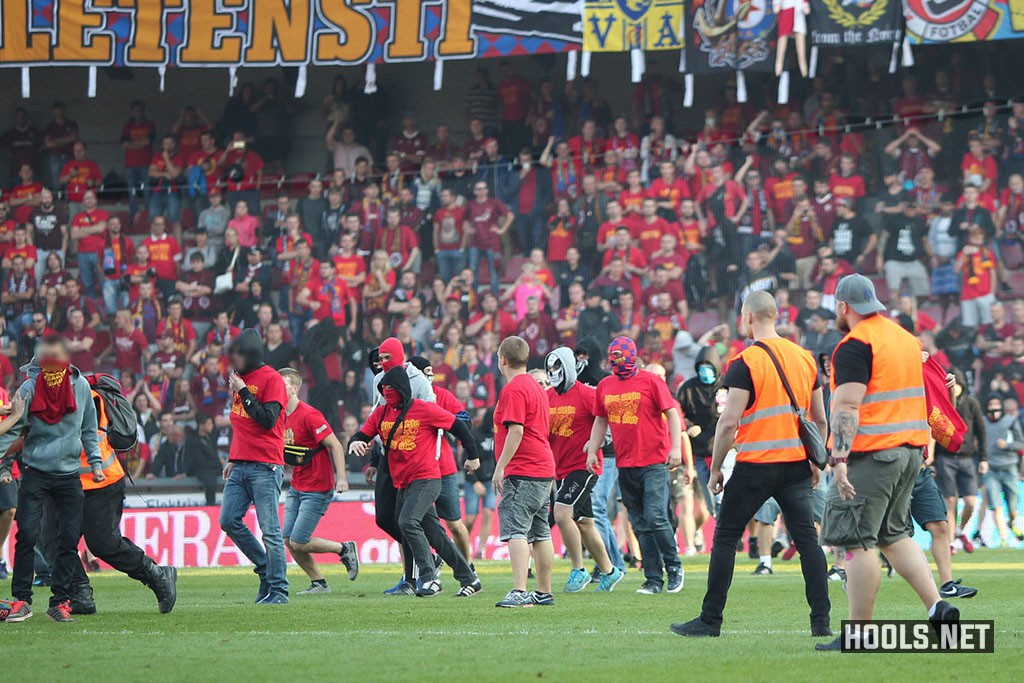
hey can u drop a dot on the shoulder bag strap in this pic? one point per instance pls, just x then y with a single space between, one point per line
782 376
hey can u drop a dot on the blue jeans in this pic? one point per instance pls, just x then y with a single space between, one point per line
1001 482
166 203
645 496
258 484
472 500
606 485
449 263
136 178
113 297
475 254
303 510
297 323
88 265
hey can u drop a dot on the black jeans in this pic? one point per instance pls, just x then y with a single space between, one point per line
422 531
317 342
101 527
645 496
66 493
749 487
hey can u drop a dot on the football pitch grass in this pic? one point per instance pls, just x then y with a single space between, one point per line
357 634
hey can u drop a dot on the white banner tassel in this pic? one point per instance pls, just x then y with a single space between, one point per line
908 54
585 64
570 66
232 80
92 81
26 83
812 71
300 83
682 61
783 94
370 86
741 87
688 90
636 64
162 71
438 74
895 54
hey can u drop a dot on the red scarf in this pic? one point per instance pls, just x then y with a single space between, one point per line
54 396
948 428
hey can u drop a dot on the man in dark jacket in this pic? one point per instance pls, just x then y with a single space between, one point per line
596 320
699 399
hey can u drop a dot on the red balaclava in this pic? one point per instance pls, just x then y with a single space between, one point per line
394 347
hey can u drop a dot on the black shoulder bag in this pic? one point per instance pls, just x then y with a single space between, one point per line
810 437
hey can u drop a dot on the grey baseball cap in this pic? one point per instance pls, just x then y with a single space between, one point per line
858 292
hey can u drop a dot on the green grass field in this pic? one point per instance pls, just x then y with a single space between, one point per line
356 634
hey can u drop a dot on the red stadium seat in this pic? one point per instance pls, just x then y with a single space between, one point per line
271 185
513 269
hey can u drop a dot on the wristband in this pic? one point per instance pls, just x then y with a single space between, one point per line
833 460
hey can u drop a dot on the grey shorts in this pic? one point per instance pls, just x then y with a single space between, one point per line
9 496
523 509
770 510
879 514
956 476
926 504
449 503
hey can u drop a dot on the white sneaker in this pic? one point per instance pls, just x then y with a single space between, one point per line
316 589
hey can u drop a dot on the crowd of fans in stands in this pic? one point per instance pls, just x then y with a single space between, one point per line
556 219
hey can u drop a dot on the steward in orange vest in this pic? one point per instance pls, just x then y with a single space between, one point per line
759 421
880 428
101 528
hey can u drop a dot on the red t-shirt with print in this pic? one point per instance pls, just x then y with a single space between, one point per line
634 408
571 418
251 442
413 453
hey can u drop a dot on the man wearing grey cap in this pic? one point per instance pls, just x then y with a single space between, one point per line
880 429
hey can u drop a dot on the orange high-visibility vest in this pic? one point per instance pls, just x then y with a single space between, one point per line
894 411
769 430
111 465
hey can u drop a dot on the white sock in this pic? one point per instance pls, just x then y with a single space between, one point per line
931 612
766 560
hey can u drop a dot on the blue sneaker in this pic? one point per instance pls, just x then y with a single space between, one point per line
516 598
610 581
543 599
397 588
578 580
274 598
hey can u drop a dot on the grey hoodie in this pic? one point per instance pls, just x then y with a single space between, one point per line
1008 429
421 386
55 448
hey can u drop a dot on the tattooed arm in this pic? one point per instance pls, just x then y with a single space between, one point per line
845 421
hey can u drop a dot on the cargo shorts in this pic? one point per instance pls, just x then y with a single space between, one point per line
879 513
523 509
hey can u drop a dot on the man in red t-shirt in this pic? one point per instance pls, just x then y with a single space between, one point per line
450 235
488 220
130 345
164 255
408 427
88 231
78 175
137 137
399 241
523 475
646 430
314 483
255 466
571 419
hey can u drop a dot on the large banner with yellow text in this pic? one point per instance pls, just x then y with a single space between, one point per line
621 25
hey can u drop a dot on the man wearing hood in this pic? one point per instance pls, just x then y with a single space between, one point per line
589 371
699 399
391 354
58 424
571 411
647 434
255 466
409 429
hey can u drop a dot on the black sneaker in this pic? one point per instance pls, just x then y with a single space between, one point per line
264 591
762 570
777 547
60 612
836 574
696 628
831 646
4 572
469 590
753 552
542 599
821 631
165 588
405 589
350 558
429 589
675 580
82 601
953 589
944 616
649 588
530 574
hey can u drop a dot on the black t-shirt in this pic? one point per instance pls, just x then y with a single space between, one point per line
964 218
850 237
738 376
46 232
906 240
852 362
281 357
890 200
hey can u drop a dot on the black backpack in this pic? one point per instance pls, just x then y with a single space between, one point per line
122 427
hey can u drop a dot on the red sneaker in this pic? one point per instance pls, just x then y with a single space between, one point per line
15 611
60 612
790 551
966 541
